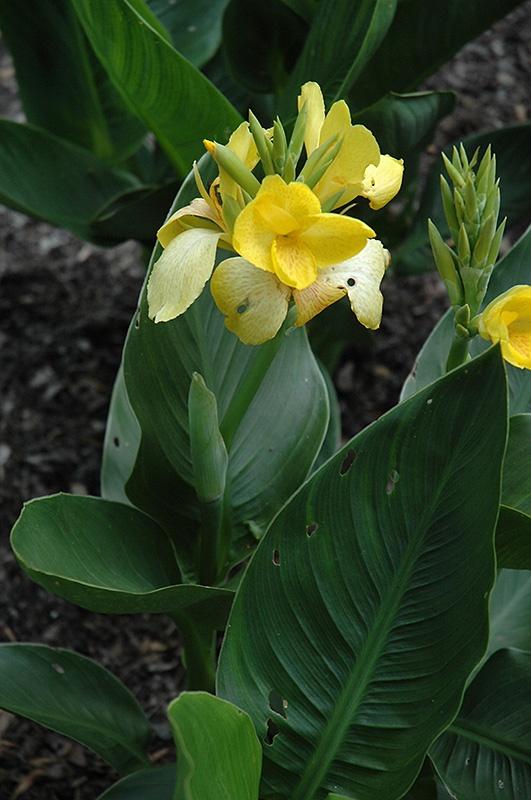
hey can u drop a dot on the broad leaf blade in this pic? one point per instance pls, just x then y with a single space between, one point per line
342 38
219 755
510 611
109 558
52 179
370 591
195 28
62 87
168 93
422 37
76 697
147 784
486 752
513 539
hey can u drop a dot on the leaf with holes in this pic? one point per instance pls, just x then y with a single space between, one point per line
219 755
76 697
486 753
369 593
109 558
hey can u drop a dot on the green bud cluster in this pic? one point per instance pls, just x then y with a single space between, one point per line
471 203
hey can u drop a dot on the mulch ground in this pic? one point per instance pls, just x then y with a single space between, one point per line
64 310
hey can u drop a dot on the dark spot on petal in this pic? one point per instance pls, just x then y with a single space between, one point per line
351 282
347 462
311 528
276 558
242 308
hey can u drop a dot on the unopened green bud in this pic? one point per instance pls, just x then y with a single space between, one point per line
459 205
496 243
463 245
296 143
208 451
462 315
471 202
320 160
486 235
461 331
453 172
448 205
280 146
263 144
484 165
233 166
445 262
230 210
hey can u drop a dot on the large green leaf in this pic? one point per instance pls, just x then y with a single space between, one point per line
364 608
277 438
147 784
486 752
169 94
136 214
430 364
195 28
512 147
513 539
510 611
52 179
342 38
109 558
76 697
61 84
218 754
421 38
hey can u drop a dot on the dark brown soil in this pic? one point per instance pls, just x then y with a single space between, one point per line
64 311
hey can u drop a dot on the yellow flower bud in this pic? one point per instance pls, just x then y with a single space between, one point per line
507 320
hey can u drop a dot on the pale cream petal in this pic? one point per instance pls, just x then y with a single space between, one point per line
293 261
333 238
254 302
194 214
312 97
359 277
382 182
178 277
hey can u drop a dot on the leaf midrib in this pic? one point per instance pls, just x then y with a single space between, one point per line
361 676
475 733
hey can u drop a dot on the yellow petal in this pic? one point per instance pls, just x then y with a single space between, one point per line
358 150
337 121
312 97
293 261
242 144
334 237
254 302
508 320
383 181
277 209
197 214
359 277
178 277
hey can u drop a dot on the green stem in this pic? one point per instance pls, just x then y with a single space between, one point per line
210 556
198 647
458 353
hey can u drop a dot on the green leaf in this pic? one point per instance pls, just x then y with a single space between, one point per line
261 42
332 440
109 558
276 441
384 556
342 38
513 539
304 8
510 611
430 364
219 755
421 38
76 697
122 440
52 179
147 784
62 86
486 752
195 28
136 214
168 93
512 147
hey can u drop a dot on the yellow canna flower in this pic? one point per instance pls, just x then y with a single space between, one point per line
283 231
507 320
358 168
289 251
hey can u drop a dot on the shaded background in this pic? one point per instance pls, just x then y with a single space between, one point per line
64 311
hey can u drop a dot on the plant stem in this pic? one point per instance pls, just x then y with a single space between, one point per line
198 653
210 556
458 353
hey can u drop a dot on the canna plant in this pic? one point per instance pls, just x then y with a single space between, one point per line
373 598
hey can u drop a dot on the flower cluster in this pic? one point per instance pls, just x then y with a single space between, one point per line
292 238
